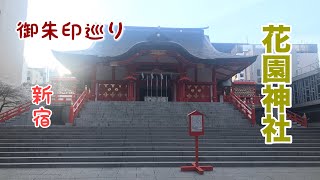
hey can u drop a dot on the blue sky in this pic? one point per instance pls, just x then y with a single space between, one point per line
228 20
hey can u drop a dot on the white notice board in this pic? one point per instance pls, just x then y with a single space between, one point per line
196 123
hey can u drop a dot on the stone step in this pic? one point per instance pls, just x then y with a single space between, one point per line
142 131
139 143
160 148
162 164
144 114
152 134
157 153
155 158
133 140
146 136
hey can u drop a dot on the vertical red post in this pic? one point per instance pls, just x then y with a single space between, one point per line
131 91
304 120
130 80
253 115
197 150
214 86
196 129
137 88
71 115
182 83
183 89
178 91
179 84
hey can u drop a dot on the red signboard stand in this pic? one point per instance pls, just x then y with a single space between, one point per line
196 129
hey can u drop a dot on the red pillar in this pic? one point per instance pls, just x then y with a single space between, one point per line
137 95
181 84
214 86
93 81
177 90
180 91
183 89
131 91
131 79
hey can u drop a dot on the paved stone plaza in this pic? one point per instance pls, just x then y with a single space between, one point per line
160 174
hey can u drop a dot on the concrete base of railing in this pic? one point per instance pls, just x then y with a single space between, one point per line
68 124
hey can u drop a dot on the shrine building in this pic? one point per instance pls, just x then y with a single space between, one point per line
155 64
100 117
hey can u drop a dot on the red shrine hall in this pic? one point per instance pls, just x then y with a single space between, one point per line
155 64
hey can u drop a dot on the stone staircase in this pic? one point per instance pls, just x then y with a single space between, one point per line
25 119
118 134
157 114
138 147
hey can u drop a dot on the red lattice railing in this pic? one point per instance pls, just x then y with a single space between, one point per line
290 115
16 111
244 92
75 108
243 108
251 100
297 118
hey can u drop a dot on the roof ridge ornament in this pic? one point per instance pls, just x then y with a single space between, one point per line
158 36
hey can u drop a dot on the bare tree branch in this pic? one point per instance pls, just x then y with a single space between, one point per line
12 96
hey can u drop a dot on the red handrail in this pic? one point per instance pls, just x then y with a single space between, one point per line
256 100
292 116
297 118
16 111
75 108
244 108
